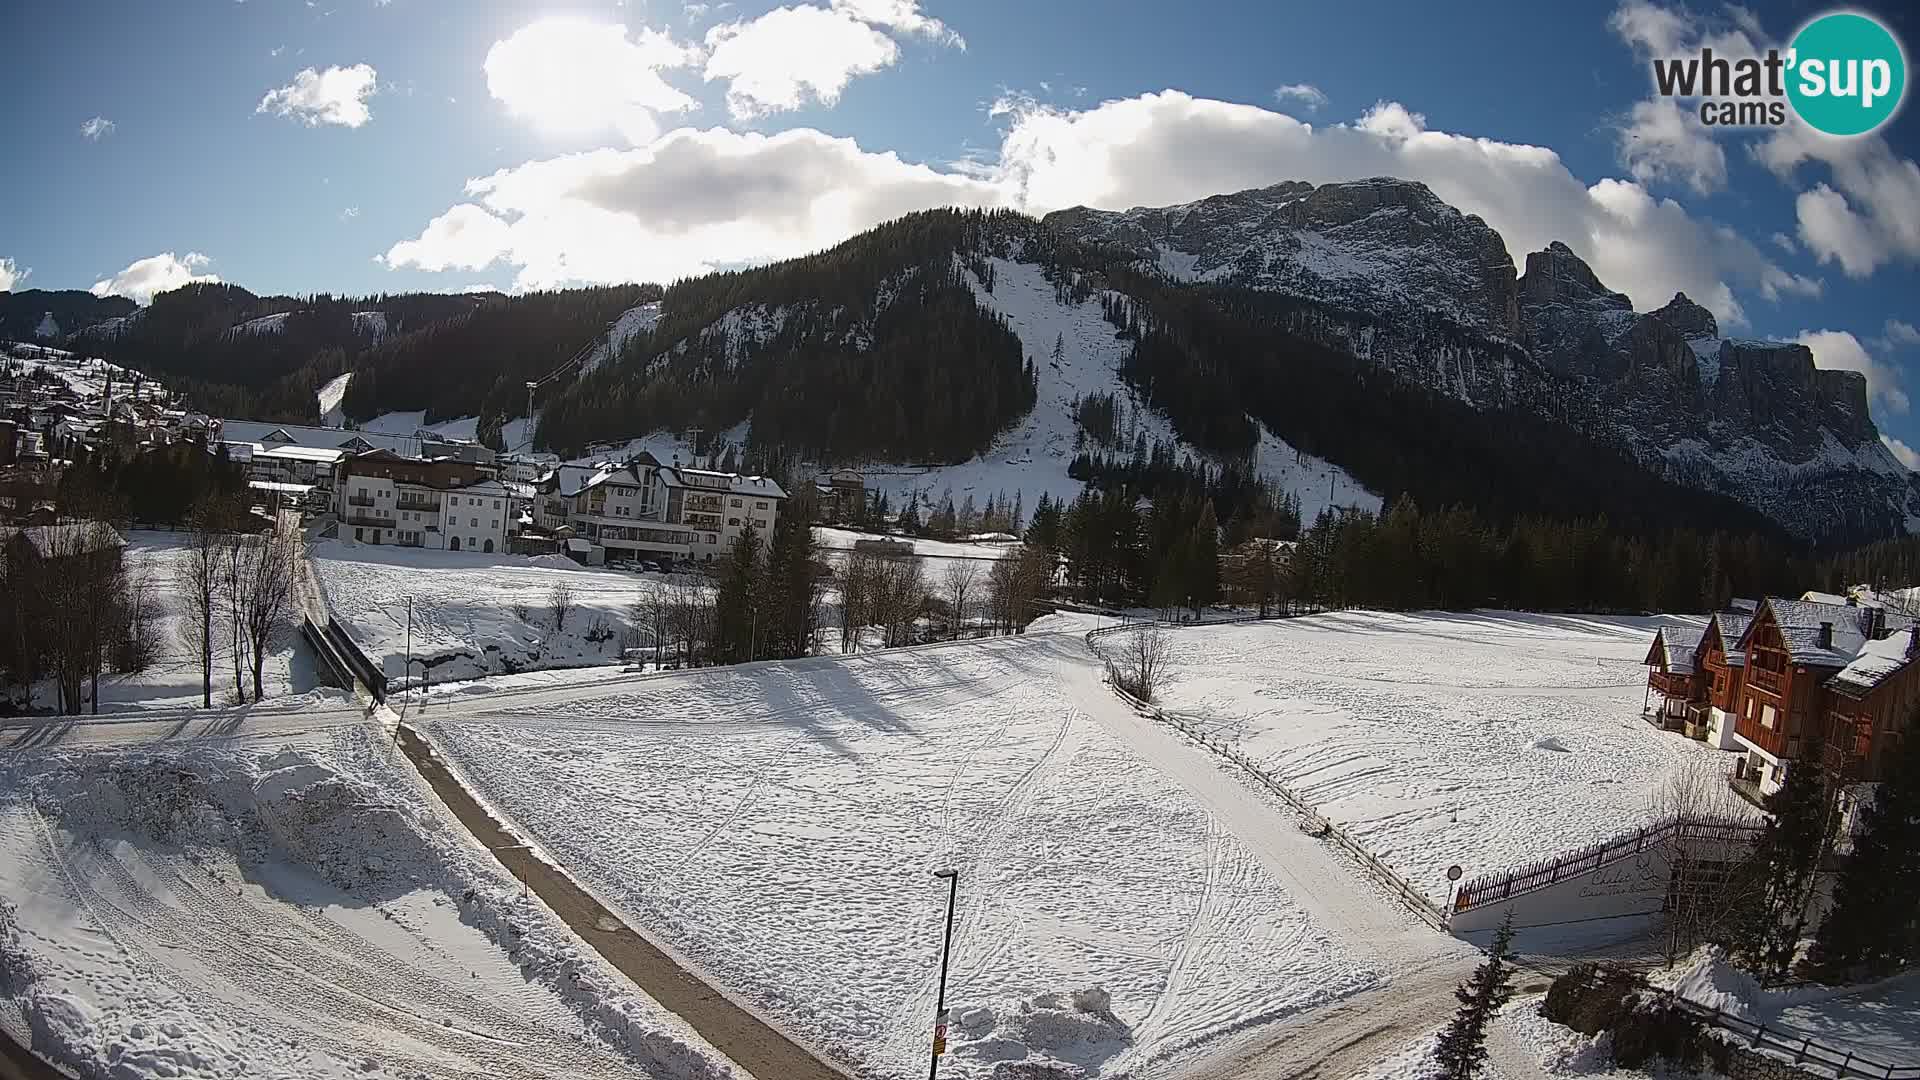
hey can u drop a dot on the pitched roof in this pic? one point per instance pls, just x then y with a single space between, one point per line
1877 662
1800 621
1732 627
255 431
72 538
1675 645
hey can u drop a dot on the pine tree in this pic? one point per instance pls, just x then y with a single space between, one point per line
1203 561
1874 927
1462 1047
1785 860
737 618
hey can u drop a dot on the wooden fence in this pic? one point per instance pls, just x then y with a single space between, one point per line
1505 885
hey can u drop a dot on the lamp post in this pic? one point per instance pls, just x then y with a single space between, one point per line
946 951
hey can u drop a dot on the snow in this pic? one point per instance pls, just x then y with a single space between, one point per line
266 324
371 323
1878 1021
1706 352
778 825
463 617
48 327
1423 734
1032 457
513 432
222 907
173 679
329 398
630 322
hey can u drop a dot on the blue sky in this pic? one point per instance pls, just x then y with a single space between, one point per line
443 145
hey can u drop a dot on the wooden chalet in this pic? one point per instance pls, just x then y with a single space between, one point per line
1724 663
1872 705
1676 684
1794 650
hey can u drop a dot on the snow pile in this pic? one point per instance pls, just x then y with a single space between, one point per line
213 909
1045 1037
1712 980
1487 739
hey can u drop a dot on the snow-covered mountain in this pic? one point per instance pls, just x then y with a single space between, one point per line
1391 275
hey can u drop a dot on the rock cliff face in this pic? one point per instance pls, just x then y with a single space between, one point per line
1396 277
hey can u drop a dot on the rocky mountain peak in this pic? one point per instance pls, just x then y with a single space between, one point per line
1692 321
1558 276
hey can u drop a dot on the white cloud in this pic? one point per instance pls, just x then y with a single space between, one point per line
776 62
466 237
1902 333
1308 95
96 128
11 274
1786 243
337 95
1902 451
694 200
903 16
349 213
1866 218
578 77
1838 349
1664 141
145 277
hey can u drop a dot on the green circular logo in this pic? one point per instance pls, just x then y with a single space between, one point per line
1848 74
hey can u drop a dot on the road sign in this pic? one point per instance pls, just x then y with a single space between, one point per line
1454 872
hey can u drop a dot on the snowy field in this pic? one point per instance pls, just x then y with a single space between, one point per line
1487 739
173 680
290 909
463 607
779 824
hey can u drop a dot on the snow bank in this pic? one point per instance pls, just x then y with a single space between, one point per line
216 909
1045 1037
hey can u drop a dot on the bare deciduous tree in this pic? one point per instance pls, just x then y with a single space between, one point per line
857 576
560 603
197 580
264 598
960 577
1707 873
1142 663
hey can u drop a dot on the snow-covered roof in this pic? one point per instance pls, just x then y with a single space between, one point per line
1812 597
763 487
260 431
1674 646
288 452
1800 623
72 538
1732 627
1877 662
493 489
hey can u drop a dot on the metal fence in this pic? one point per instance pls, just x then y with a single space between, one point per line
1801 1048
1495 888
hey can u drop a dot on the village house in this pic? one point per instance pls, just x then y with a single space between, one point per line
1724 663
384 498
642 510
1677 686
1798 653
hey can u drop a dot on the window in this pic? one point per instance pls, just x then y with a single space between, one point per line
496 504
736 503
733 523
496 523
1767 716
357 536
472 542
761 505
712 539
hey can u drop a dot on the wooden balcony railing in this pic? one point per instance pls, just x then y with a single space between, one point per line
1770 681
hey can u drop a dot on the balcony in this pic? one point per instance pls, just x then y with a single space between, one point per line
1767 681
369 519
415 504
359 500
1747 787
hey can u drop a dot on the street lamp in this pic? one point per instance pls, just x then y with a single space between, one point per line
946 951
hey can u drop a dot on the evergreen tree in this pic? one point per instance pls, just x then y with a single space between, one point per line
791 590
1203 561
1772 918
1874 926
737 616
1043 531
1462 1047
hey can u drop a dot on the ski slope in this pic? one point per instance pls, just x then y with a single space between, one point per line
290 909
779 823
1487 739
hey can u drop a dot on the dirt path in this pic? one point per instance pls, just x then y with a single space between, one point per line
749 1041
